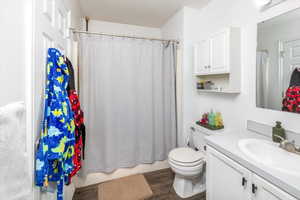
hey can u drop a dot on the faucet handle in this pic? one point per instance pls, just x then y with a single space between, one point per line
279 137
283 142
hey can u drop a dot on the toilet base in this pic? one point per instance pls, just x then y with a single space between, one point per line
188 187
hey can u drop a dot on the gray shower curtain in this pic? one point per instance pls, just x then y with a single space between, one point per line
262 82
127 90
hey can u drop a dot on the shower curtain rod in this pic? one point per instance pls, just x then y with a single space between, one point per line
125 36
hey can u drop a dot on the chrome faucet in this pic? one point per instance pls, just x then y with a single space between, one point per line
289 146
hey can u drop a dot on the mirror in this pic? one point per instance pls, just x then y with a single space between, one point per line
278 63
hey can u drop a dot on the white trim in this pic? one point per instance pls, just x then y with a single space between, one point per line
31 93
179 96
280 65
29 85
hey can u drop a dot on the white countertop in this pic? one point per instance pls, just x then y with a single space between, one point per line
227 143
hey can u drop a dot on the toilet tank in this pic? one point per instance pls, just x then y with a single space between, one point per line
198 134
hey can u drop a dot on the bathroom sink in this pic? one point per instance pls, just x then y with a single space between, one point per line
270 155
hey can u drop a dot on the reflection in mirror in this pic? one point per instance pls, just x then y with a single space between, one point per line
278 63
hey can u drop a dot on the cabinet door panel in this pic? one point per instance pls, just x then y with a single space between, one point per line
225 178
267 191
219 52
202 57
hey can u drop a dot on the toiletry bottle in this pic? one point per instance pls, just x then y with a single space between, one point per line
219 121
204 119
279 131
211 118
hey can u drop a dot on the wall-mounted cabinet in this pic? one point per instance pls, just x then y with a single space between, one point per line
220 55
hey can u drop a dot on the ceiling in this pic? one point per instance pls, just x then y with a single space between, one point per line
152 13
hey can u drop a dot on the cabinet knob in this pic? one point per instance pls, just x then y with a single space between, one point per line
254 188
244 181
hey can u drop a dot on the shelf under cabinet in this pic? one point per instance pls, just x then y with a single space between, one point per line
211 74
219 91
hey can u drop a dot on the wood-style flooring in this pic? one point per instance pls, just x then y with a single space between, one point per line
160 182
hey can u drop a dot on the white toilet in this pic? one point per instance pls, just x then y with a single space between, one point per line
189 168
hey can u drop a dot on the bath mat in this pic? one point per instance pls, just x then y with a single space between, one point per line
127 188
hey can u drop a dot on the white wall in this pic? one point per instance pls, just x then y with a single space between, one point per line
123 29
12 50
236 109
199 25
76 13
173 28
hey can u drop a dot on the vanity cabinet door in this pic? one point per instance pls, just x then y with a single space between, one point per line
226 180
202 58
263 190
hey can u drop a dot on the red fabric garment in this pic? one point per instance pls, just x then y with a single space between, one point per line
291 102
79 131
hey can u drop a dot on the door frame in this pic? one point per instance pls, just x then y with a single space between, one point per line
29 88
280 65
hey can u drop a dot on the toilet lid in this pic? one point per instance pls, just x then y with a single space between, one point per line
186 155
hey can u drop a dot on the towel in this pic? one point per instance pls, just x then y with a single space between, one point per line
14 159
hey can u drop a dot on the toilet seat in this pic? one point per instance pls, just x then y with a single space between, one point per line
186 164
186 157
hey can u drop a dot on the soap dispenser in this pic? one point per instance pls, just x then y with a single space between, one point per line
278 131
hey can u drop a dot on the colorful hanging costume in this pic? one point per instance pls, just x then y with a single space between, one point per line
291 101
79 132
54 157
79 121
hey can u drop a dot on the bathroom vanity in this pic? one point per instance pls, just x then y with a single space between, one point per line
235 174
